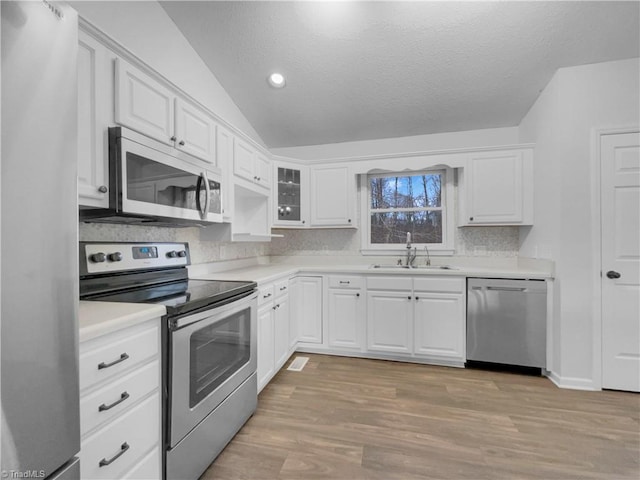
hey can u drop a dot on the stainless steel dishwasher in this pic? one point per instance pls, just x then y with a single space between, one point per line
507 321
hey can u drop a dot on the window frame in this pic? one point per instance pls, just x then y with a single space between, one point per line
446 247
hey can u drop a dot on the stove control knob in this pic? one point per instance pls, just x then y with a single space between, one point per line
182 253
115 257
172 254
98 257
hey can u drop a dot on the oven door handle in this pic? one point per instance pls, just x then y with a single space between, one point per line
216 312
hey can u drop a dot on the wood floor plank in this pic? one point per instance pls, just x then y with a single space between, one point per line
350 419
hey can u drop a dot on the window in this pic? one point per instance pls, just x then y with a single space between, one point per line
401 203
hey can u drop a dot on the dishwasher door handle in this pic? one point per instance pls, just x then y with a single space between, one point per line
508 289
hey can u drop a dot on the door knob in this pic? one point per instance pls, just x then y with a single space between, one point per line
613 274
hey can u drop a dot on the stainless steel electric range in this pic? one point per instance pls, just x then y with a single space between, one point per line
209 344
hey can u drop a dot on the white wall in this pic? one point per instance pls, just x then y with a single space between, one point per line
147 31
418 143
561 123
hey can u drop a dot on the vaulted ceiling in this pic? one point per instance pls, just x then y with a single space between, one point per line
365 70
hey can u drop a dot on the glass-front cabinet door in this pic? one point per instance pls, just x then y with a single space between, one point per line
291 199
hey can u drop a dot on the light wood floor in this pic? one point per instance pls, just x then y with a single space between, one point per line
349 418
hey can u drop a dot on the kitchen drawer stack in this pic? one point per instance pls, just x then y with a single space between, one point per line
120 404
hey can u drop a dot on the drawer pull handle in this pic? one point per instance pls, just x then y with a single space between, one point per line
344 283
283 288
266 296
122 358
123 397
123 448
357 294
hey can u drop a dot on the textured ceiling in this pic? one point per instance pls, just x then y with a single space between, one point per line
365 70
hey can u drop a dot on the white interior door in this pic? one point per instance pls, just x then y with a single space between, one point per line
620 205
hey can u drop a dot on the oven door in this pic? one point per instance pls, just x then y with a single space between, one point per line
154 183
212 353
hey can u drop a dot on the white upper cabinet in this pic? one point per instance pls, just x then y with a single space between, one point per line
291 198
224 156
332 196
195 131
250 165
94 114
145 105
263 170
496 188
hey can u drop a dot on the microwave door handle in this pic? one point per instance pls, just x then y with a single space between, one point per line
207 202
198 188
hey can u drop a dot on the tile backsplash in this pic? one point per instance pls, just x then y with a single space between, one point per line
469 241
202 251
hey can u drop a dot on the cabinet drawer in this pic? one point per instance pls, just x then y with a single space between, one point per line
123 392
105 357
345 281
265 294
281 287
147 469
404 284
439 284
131 436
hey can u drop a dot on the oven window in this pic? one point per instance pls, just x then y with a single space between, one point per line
217 352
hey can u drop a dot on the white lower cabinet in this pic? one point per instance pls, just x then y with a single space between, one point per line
281 331
389 322
274 336
424 317
439 325
346 310
120 404
266 363
307 308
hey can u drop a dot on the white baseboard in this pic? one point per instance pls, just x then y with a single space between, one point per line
572 383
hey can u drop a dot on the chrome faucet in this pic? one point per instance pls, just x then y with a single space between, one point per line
427 261
410 257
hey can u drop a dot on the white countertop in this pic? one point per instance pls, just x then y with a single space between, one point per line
100 318
267 273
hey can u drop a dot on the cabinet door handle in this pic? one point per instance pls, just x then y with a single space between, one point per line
122 358
123 397
181 142
258 178
173 138
417 298
409 297
357 294
471 219
303 222
103 189
612 274
349 220
123 448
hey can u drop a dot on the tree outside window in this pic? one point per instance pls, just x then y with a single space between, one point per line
401 204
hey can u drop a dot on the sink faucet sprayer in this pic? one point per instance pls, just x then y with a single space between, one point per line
427 261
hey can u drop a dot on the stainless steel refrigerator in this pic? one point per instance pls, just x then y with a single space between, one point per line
39 293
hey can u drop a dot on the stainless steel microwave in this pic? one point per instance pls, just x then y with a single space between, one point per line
151 183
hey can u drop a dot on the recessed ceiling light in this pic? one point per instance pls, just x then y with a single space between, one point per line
276 80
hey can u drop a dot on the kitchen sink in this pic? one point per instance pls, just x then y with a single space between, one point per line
415 267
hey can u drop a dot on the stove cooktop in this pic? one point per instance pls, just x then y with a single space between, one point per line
182 296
